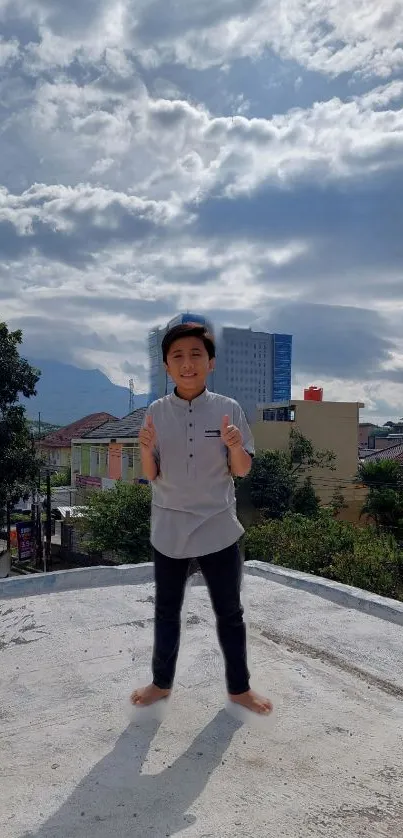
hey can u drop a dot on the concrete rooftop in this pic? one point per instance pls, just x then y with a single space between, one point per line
74 764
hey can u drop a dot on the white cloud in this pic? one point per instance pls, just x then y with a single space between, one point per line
111 163
101 166
340 36
383 95
66 209
8 51
162 147
333 38
382 401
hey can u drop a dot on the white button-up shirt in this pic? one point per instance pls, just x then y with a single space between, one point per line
193 497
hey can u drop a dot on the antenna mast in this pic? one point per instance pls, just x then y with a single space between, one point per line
131 395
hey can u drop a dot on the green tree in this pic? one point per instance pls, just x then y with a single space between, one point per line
384 503
270 483
394 427
338 502
385 508
303 456
380 432
305 500
381 474
18 460
276 479
118 520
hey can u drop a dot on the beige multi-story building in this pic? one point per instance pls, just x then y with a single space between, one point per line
328 425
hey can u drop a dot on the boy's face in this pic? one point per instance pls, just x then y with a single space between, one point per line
188 364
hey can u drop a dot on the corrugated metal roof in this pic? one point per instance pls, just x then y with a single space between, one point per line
128 427
71 511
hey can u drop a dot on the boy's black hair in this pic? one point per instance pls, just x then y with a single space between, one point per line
188 330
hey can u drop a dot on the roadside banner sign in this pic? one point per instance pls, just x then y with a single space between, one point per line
25 540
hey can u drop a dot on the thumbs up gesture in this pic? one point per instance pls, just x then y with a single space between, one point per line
148 434
230 434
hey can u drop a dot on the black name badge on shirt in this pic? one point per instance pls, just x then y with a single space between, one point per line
211 434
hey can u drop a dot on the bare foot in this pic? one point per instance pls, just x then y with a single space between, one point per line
252 701
145 696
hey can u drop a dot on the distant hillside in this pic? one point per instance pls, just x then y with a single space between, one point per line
41 427
67 393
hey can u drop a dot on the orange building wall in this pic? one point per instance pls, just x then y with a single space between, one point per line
115 461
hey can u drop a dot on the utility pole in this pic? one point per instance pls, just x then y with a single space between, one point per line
47 562
37 504
33 507
8 526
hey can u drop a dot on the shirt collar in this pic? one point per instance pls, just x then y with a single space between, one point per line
204 396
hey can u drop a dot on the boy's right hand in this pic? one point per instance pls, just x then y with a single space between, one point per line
148 435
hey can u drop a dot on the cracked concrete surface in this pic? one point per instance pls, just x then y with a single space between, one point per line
73 764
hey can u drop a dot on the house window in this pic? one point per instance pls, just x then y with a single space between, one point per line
104 459
95 455
76 464
130 458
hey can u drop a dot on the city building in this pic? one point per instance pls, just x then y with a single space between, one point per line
56 446
251 367
160 382
332 426
108 453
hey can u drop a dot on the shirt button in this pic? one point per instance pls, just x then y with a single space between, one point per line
190 440
190 425
190 455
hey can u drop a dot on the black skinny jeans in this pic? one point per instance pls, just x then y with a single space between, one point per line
222 572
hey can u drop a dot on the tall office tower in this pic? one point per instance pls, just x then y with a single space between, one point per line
160 382
253 367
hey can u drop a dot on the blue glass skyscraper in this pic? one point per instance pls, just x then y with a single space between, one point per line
282 360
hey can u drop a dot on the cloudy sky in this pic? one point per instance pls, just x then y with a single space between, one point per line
243 158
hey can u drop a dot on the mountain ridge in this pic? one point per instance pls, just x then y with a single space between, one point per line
66 393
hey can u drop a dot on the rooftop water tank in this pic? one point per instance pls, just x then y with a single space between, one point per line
313 394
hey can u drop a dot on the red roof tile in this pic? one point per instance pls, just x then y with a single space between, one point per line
62 438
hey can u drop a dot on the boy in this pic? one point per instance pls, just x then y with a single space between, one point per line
192 445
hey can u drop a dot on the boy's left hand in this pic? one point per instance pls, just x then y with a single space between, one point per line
230 434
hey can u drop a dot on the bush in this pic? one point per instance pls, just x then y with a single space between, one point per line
375 565
61 478
16 517
118 520
330 548
384 503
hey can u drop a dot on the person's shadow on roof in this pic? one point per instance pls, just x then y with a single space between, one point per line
115 800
